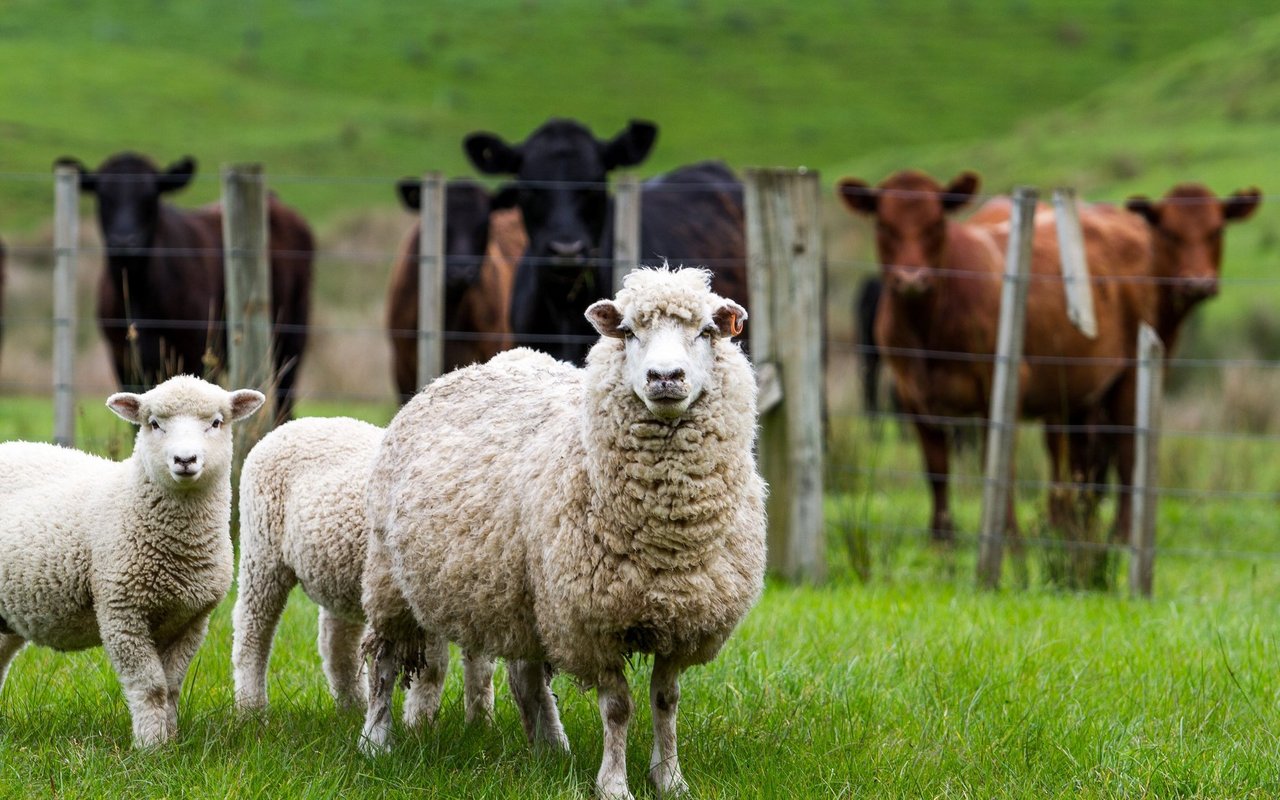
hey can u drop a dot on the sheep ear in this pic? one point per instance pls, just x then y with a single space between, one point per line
729 318
244 402
606 317
126 406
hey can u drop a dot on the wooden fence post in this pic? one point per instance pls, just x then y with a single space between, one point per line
997 491
1075 267
248 301
431 278
1142 533
626 228
786 272
66 233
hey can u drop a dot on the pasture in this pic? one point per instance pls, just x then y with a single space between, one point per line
897 677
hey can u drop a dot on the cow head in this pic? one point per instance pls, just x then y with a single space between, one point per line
129 187
562 172
466 228
1187 227
910 211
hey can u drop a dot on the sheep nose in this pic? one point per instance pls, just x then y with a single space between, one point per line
189 461
665 376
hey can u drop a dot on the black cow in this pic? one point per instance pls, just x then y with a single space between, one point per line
160 297
562 173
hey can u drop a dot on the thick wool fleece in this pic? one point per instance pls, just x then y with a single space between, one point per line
537 511
114 553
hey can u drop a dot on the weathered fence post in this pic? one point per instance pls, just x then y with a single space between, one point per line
1075 267
431 278
785 269
1142 533
997 491
66 233
626 228
248 301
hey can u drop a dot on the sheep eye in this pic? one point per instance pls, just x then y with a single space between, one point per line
154 423
707 332
217 422
627 333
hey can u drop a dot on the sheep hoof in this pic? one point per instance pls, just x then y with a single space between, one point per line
668 784
372 749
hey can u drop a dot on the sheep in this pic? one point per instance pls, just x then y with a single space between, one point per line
302 520
572 518
131 555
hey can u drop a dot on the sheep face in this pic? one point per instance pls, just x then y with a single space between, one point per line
185 439
668 357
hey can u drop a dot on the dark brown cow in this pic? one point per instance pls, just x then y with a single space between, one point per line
160 297
482 245
937 319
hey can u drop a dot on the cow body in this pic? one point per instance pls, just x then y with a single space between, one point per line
482 246
161 293
562 173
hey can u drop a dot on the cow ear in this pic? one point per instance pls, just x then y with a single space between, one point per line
506 196
1242 204
729 318
126 406
606 318
491 155
178 175
960 191
410 191
88 181
858 196
631 146
1144 208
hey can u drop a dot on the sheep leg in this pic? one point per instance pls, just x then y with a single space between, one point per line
375 738
176 660
259 604
339 643
10 644
530 683
141 673
426 684
664 699
477 680
614 696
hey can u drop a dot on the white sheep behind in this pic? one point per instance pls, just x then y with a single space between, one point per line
302 521
131 555
531 510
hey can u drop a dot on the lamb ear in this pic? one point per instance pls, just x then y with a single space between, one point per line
126 406
729 318
606 317
244 402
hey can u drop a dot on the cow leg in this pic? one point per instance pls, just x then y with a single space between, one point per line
933 444
1123 411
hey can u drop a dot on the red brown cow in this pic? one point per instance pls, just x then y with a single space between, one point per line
160 297
937 319
483 243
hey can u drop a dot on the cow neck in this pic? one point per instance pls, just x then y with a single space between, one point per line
660 493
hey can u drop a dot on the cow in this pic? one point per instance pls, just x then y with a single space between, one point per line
693 215
161 293
865 305
937 320
484 239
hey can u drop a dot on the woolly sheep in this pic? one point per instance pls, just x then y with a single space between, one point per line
302 520
572 517
132 555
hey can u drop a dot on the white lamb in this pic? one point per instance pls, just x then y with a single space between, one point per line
132 555
302 520
574 517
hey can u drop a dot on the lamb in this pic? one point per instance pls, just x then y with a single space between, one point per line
131 555
302 520
572 518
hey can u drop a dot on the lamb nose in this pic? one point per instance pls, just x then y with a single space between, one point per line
668 375
184 462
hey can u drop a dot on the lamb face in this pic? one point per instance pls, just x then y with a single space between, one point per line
185 441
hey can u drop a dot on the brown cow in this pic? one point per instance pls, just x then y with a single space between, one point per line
937 320
483 243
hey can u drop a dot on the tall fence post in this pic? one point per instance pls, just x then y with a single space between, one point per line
1076 282
1142 533
431 278
626 228
248 300
66 234
786 274
997 491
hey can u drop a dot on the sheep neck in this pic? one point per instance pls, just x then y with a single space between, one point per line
188 518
